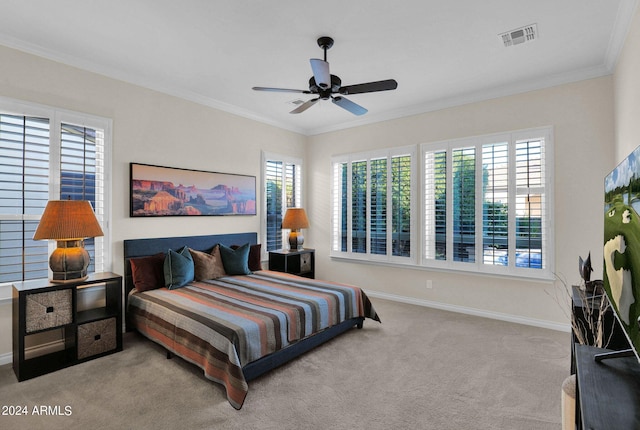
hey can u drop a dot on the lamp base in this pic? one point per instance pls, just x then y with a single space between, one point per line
69 261
296 239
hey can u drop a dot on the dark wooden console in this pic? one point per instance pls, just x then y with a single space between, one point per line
608 392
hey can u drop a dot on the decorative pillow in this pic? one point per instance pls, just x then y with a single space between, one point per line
178 268
235 261
255 256
207 266
147 272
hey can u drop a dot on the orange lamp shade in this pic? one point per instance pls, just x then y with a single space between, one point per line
68 222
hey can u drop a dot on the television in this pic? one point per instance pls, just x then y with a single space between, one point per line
621 252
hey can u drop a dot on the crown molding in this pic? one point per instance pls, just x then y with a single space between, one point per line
621 27
624 17
117 74
468 98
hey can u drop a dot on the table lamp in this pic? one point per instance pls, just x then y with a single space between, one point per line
68 222
295 219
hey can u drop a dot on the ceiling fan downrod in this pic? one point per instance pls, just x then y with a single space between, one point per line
325 42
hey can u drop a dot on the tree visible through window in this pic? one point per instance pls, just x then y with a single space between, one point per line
485 204
498 211
372 204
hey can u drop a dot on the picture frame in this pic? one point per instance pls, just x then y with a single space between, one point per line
170 191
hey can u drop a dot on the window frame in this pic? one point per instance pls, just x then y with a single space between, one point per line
299 197
56 117
336 201
478 266
419 219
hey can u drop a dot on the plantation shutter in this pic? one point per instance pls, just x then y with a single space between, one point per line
464 202
24 192
435 189
495 187
378 219
401 205
274 182
82 178
339 202
283 189
359 207
530 202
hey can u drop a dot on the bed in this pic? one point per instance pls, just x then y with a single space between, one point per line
236 327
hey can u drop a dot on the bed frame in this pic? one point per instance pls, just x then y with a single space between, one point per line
144 247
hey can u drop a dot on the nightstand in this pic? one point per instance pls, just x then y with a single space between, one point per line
299 262
84 318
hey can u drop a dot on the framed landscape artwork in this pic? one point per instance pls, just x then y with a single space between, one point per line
168 191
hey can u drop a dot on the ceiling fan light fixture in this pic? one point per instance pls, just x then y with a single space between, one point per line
321 73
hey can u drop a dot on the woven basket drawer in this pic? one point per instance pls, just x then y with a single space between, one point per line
49 309
96 337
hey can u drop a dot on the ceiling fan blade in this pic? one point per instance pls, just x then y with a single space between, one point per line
347 104
281 90
306 105
370 87
321 73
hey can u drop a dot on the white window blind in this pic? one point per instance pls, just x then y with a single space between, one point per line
400 219
372 205
530 203
82 178
359 207
435 214
495 203
339 212
24 192
496 219
46 157
283 189
463 204
378 219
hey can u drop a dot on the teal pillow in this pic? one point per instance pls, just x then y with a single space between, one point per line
178 268
235 261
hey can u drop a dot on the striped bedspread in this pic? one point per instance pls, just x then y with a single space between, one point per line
222 325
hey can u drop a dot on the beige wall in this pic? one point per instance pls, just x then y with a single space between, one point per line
154 128
627 93
148 127
582 117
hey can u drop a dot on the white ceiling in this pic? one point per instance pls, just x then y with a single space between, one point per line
442 53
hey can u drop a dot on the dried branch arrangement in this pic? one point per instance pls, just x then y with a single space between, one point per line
589 330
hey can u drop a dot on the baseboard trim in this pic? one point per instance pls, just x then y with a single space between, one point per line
472 311
6 358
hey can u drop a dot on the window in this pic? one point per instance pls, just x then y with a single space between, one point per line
283 189
373 210
492 194
47 154
485 205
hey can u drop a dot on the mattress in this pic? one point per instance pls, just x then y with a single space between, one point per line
224 324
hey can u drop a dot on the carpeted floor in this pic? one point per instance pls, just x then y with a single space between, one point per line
420 369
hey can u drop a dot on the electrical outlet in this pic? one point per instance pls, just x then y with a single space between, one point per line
429 283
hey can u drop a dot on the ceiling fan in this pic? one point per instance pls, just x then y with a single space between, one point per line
325 85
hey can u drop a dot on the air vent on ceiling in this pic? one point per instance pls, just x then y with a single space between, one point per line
528 33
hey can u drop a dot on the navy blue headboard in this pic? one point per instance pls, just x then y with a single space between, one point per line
144 247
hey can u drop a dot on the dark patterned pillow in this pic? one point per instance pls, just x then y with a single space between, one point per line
148 272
